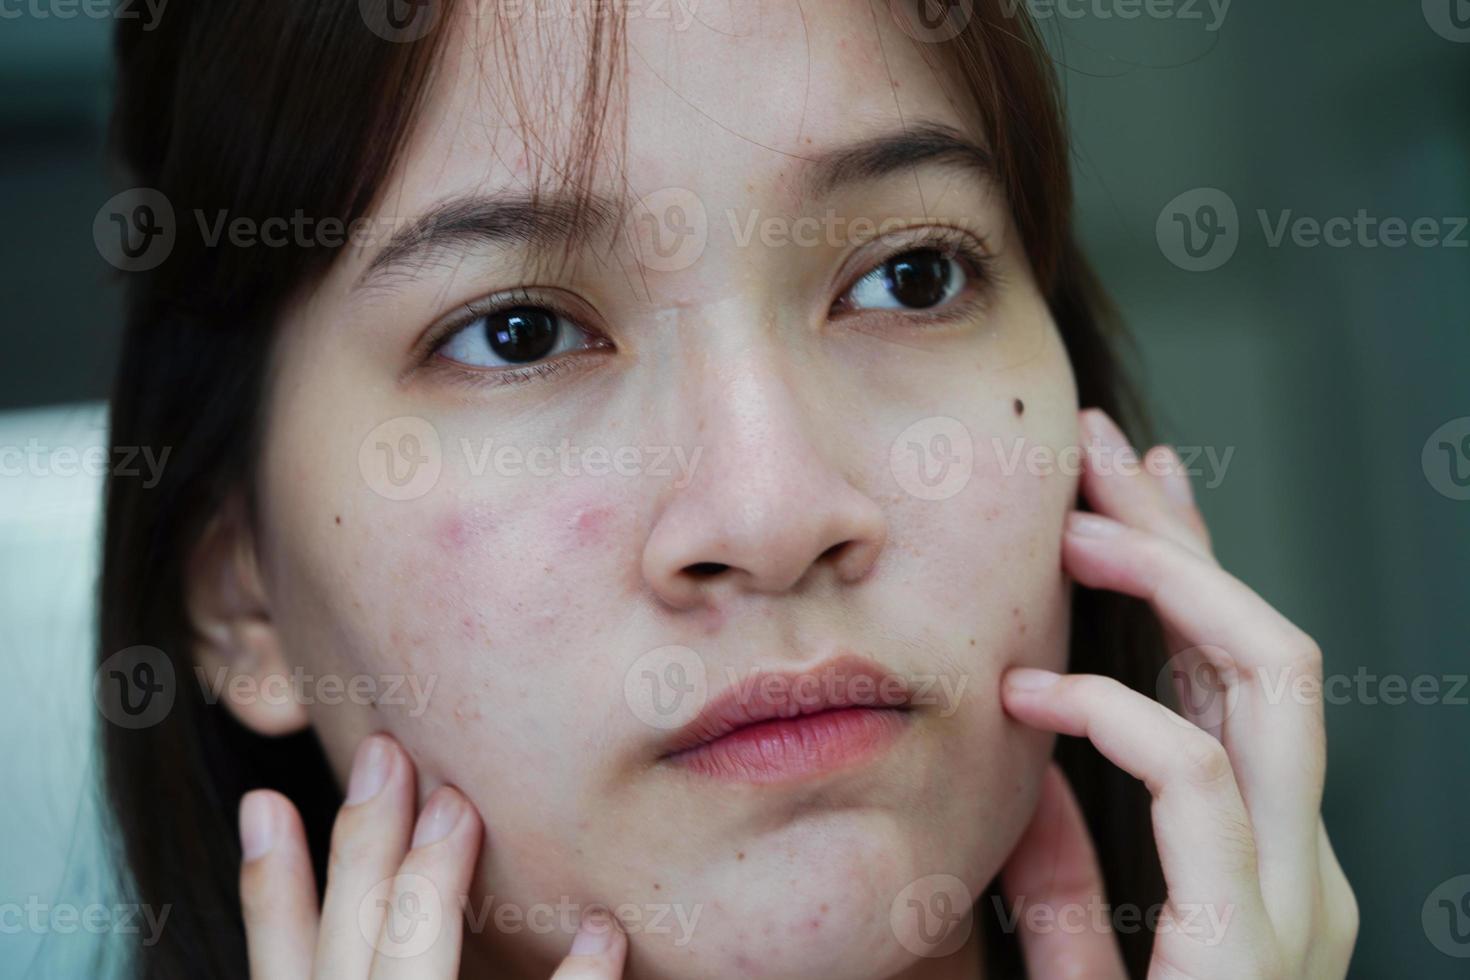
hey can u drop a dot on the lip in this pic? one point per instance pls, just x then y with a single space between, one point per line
777 726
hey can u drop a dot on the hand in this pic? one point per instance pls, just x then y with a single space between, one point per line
1254 889
381 859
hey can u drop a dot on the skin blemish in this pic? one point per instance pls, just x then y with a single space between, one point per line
740 855
589 524
1020 407
339 518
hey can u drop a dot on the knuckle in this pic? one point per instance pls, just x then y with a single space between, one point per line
1204 761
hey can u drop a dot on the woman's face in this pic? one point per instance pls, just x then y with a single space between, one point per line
735 435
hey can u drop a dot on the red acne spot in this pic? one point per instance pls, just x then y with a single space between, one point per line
740 856
824 908
452 533
339 518
656 886
590 523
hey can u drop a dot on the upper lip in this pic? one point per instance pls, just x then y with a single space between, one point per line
845 681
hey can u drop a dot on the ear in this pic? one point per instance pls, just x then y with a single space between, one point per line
236 647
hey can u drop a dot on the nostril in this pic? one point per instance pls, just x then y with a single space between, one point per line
833 551
706 569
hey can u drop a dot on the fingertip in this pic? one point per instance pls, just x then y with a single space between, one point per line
260 824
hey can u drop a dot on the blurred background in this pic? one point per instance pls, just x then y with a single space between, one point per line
1319 369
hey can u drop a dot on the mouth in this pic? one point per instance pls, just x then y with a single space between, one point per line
779 726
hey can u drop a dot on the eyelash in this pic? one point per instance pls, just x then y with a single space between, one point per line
976 262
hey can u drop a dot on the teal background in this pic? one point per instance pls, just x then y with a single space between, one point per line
1324 370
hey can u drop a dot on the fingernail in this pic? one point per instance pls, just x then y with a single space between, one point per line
594 935
369 771
1088 525
1031 678
257 826
437 820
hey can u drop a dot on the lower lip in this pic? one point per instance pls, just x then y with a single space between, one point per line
790 748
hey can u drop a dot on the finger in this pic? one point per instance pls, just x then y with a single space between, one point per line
1120 485
1054 867
1200 822
598 951
277 888
423 928
1270 671
368 842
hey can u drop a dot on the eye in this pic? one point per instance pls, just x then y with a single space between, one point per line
513 336
918 279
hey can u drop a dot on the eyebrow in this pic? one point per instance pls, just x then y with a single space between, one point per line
514 218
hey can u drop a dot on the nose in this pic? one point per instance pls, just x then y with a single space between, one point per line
767 509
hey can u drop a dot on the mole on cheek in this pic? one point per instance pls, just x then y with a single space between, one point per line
1020 407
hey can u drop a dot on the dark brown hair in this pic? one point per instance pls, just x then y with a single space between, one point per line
275 106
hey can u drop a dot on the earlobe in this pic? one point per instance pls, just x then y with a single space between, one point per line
237 651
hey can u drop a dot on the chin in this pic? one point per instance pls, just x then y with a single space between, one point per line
828 897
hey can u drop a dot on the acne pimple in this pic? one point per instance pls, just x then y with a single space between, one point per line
339 518
589 523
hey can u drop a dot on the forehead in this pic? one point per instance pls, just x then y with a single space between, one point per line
703 95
